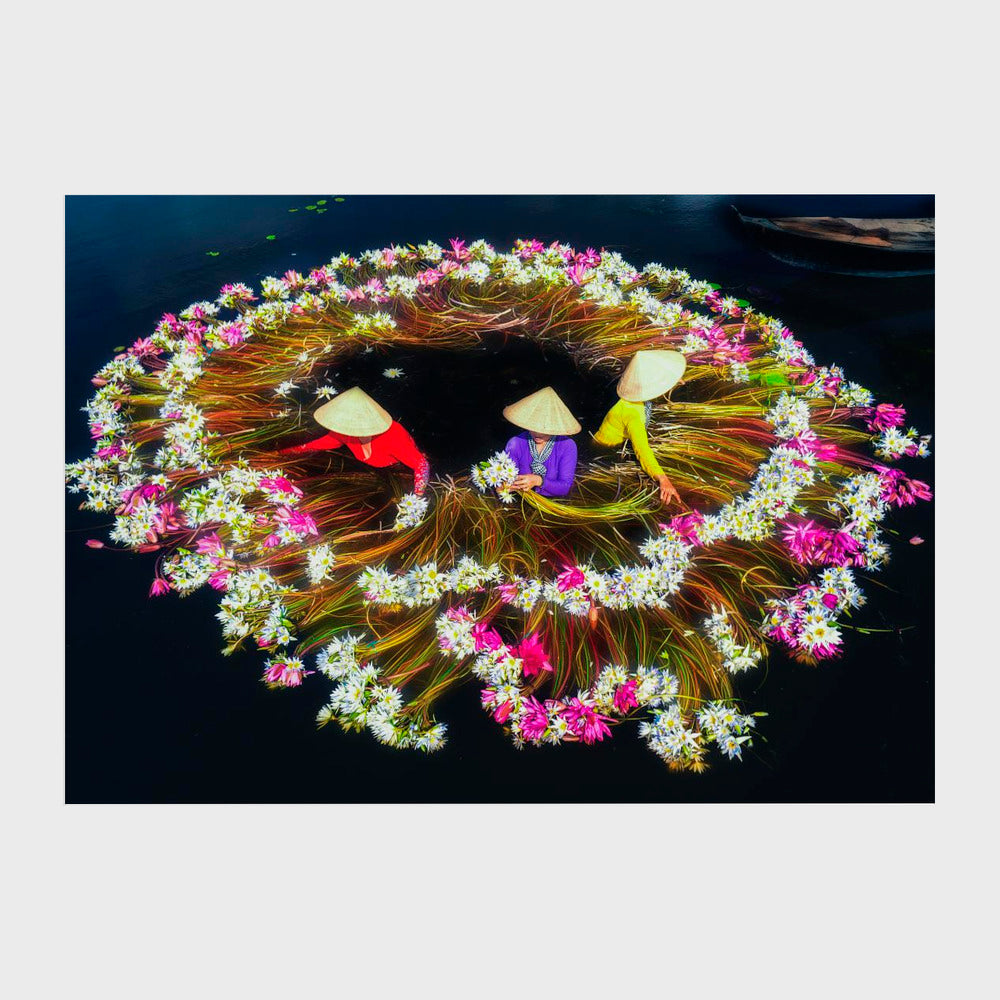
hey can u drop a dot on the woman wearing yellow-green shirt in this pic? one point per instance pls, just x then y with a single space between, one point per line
649 374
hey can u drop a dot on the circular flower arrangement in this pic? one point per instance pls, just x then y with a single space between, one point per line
570 616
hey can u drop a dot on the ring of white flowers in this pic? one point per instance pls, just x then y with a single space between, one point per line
252 603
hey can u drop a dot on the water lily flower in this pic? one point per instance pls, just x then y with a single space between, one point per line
533 656
159 587
625 698
485 637
526 249
458 250
534 719
585 721
279 484
571 577
488 697
287 673
884 416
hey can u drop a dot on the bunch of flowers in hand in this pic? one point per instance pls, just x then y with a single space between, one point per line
498 473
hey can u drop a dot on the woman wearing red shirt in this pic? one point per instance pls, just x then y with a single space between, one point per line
354 419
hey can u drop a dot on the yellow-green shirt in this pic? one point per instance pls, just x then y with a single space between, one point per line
629 419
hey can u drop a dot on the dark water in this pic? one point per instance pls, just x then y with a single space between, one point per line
155 714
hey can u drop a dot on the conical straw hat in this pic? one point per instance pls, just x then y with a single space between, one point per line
355 413
650 374
542 412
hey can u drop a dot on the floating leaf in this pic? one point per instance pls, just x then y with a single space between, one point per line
320 211
742 303
338 199
212 253
712 284
293 210
321 201
117 349
271 237
310 208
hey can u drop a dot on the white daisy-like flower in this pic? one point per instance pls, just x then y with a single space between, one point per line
393 372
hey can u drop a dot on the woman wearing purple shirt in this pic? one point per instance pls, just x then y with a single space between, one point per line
545 456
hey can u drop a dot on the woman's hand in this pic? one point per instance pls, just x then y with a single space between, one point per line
527 482
667 492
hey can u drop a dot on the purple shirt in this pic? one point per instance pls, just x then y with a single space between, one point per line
560 466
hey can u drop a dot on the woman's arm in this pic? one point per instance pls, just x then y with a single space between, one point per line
640 445
561 471
325 442
404 450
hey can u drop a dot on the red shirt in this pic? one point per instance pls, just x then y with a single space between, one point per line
391 447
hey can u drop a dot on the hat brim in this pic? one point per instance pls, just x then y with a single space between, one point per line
653 384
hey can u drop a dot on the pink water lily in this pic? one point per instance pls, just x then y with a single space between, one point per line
571 577
168 518
532 654
159 587
534 719
458 250
808 443
585 721
232 333
625 698
485 637
899 489
501 711
686 525
286 674
526 249
810 543
144 347
884 416
236 293
296 520
210 545
293 280
148 492
279 484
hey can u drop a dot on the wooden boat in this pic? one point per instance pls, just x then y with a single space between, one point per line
878 247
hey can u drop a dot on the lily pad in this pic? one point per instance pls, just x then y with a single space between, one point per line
212 253
320 211
321 201
293 210
310 208
271 237
338 199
